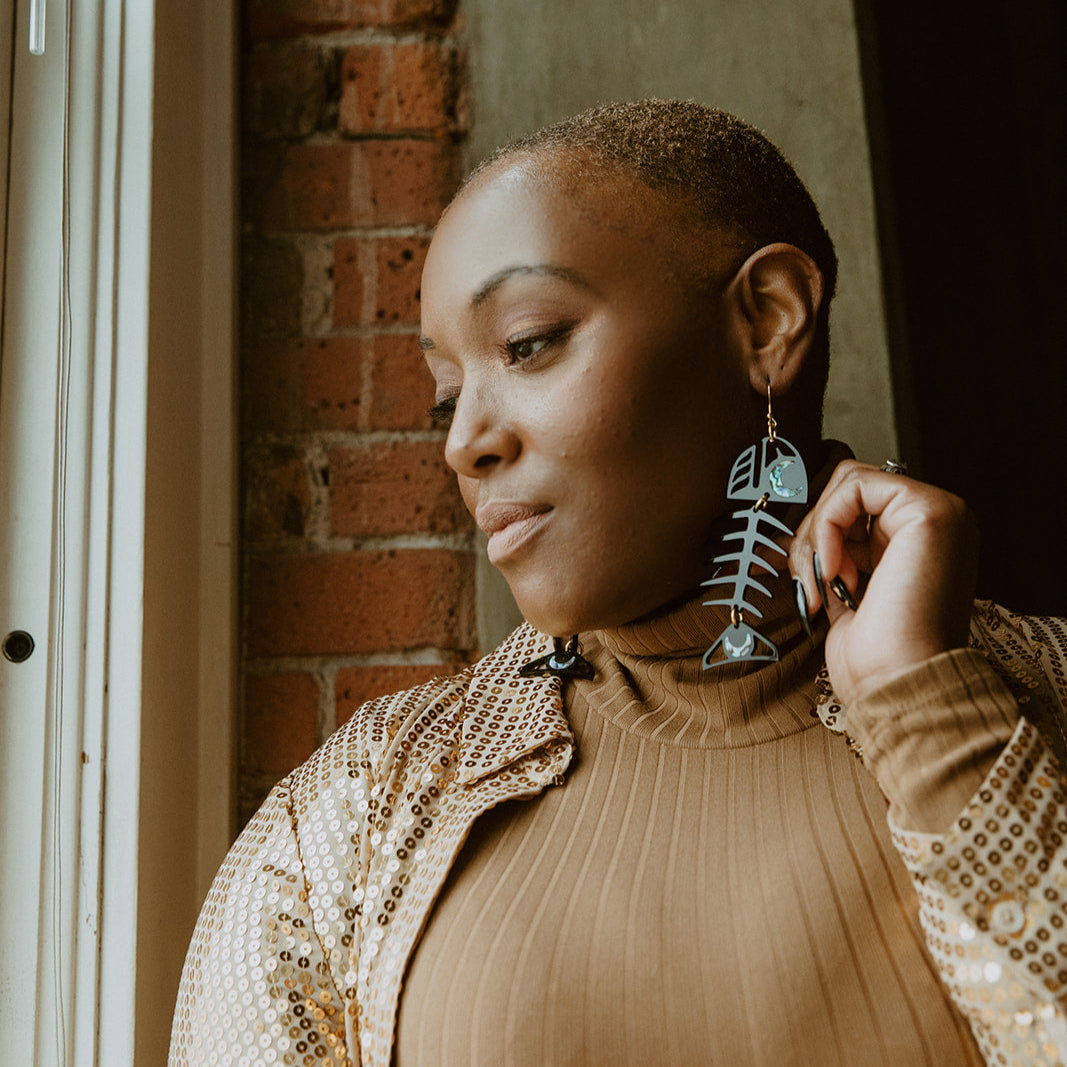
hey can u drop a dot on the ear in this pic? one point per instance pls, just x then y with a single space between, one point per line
776 296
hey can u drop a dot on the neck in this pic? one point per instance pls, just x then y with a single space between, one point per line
650 678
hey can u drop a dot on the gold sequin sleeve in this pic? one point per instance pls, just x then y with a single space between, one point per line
993 886
300 949
257 986
277 939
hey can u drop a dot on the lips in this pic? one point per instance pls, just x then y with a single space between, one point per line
510 525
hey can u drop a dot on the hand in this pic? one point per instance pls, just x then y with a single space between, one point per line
919 547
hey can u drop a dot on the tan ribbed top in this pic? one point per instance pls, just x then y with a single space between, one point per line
715 883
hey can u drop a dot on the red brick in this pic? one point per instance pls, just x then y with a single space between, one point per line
332 382
313 383
357 685
280 725
260 173
376 280
277 493
272 393
337 603
411 182
394 487
399 275
321 187
401 385
284 90
284 18
416 86
335 383
272 278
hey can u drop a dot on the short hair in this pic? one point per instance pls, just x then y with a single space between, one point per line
727 170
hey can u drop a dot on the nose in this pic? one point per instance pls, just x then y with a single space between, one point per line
481 437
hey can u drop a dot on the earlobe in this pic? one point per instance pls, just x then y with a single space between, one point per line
777 290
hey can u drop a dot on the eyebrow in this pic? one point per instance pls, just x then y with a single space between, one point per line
494 281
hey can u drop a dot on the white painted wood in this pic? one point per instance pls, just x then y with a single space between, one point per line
126 56
7 53
28 968
115 737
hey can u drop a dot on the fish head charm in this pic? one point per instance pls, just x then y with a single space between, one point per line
773 469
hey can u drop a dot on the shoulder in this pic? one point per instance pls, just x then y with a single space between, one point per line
1029 653
1027 647
430 713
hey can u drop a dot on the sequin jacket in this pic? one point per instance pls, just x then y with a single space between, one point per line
301 947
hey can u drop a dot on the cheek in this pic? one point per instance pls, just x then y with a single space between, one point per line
468 489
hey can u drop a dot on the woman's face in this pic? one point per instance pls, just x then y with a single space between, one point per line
597 396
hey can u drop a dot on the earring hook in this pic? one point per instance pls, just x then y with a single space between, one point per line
772 425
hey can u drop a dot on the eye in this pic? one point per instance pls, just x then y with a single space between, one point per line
523 348
443 410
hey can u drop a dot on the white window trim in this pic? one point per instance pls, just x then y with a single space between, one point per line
146 650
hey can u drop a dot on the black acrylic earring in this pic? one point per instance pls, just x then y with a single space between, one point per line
771 471
564 661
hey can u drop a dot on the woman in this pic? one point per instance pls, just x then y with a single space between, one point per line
625 316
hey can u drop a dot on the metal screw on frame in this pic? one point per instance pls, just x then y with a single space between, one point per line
18 646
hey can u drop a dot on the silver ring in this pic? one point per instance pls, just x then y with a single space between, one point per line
891 466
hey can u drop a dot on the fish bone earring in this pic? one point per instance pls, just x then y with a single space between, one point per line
768 472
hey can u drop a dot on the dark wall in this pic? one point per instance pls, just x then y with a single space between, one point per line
966 104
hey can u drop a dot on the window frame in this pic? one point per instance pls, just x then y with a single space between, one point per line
121 724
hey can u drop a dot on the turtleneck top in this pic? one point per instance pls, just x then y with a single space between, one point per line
716 882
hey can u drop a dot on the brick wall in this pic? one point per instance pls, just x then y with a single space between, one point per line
357 553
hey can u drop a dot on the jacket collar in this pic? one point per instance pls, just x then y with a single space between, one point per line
505 716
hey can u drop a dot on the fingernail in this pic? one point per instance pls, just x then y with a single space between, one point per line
840 590
802 605
819 583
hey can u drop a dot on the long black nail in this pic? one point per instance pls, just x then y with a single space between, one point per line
802 605
840 590
819 583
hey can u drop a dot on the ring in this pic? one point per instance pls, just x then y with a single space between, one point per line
891 466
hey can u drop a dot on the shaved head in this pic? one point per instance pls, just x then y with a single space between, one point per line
719 170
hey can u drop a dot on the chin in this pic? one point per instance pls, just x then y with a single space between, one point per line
552 614
562 617
551 621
